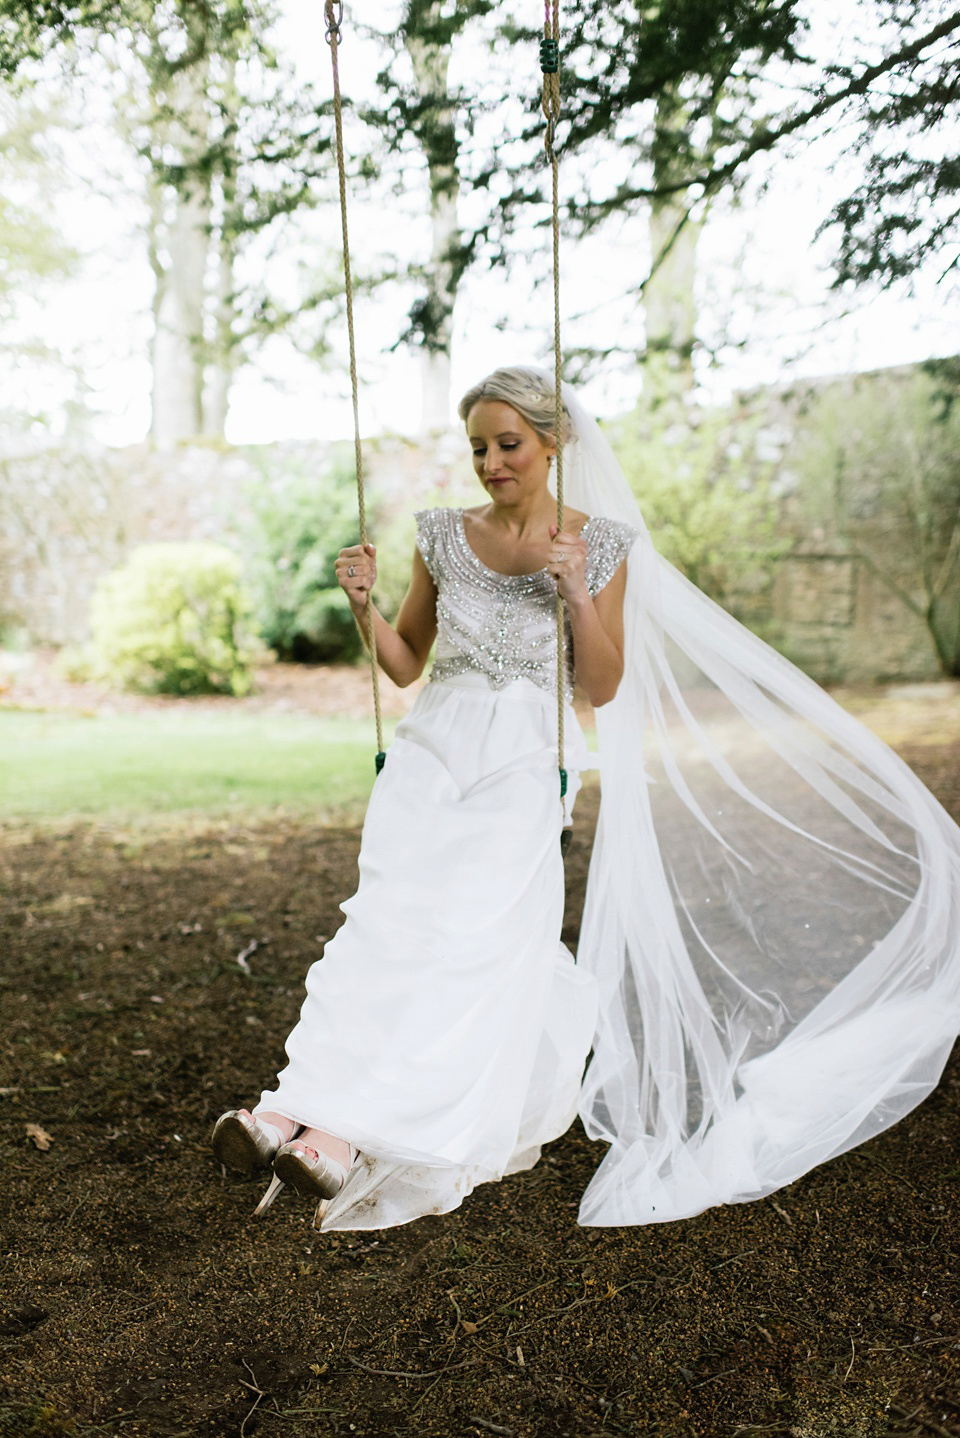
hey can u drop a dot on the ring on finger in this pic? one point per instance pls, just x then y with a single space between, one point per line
351 571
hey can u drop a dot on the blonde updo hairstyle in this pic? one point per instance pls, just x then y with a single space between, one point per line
529 392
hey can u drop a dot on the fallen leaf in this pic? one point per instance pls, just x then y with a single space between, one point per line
469 1327
39 1135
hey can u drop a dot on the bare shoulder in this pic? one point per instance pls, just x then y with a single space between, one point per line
574 520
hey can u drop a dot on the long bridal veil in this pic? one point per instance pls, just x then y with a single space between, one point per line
772 912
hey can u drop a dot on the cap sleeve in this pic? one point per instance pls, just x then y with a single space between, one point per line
427 533
608 544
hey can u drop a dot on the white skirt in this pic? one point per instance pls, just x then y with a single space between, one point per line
446 1028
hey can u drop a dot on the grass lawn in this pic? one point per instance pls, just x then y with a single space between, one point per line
55 765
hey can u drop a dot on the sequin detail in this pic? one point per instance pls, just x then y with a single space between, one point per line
504 625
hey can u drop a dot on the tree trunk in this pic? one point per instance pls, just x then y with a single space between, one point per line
438 139
219 373
180 251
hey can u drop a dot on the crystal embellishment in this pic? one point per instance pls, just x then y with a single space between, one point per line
504 625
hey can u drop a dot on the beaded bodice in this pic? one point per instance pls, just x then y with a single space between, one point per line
504 625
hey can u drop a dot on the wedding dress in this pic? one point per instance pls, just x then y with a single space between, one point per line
446 1028
768 967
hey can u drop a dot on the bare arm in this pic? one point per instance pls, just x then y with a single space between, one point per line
597 625
596 620
402 651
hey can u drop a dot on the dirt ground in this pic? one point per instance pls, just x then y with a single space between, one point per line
137 1296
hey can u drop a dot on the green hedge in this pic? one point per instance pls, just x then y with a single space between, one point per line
175 619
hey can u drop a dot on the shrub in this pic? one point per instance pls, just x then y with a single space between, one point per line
707 500
174 619
300 522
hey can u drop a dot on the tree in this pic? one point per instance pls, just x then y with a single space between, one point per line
666 103
231 148
907 206
425 108
652 95
186 125
901 98
34 255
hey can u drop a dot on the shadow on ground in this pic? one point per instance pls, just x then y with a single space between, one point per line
138 1298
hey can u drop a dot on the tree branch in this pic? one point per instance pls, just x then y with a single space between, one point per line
767 139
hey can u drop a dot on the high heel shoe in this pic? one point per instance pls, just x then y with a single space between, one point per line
310 1173
243 1142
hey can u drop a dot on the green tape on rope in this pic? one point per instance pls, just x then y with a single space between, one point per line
563 783
380 760
549 57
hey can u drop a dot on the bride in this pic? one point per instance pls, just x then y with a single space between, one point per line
768 968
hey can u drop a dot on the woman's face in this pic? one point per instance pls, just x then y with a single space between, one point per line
510 458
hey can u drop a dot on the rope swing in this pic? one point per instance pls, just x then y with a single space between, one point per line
333 11
550 66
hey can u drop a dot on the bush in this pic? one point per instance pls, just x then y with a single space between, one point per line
175 620
707 500
300 522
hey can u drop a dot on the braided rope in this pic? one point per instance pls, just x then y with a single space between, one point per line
551 110
333 11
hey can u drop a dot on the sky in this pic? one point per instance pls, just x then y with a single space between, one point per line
765 286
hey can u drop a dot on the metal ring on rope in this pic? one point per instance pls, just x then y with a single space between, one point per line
334 16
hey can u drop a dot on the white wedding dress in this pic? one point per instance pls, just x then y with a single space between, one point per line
768 966
446 1028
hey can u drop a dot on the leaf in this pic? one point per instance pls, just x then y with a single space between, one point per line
39 1135
468 1327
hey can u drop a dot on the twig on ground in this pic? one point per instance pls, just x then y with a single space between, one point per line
930 1424
398 1373
735 1259
490 1427
254 1388
919 1343
853 1354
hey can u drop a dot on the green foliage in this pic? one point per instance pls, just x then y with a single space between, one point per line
301 521
707 500
174 619
879 468
905 207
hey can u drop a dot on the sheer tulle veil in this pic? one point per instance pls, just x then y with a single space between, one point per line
772 912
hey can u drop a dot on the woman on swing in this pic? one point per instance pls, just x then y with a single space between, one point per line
768 965
418 1039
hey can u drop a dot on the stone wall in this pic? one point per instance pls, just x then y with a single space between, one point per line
839 621
66 519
